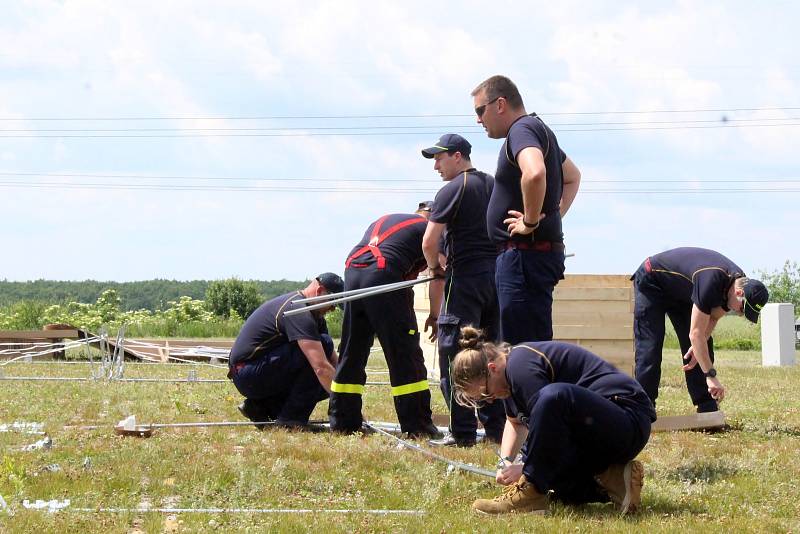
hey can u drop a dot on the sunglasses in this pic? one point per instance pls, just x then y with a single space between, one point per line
485 397
480 110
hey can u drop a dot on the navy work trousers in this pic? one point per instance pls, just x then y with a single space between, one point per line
650 307
525 280
282 384
391 317
468 300
575 434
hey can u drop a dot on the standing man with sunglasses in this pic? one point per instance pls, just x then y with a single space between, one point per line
470 298
535 185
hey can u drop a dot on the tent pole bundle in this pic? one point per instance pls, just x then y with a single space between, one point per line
325 301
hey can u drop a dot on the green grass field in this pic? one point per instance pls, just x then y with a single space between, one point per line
745 479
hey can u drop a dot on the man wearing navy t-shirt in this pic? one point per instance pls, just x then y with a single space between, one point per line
470 298
284 365
535 185
694 287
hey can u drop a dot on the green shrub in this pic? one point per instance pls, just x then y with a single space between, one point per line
224 297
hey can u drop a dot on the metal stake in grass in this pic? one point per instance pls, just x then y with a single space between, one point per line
128 426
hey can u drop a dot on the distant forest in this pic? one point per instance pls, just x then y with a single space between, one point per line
147 294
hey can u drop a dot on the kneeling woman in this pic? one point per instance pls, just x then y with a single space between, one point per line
581 420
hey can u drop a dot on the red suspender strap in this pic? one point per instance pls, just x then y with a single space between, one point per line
376 238
372 237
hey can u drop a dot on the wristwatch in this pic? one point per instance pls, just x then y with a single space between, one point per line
711 373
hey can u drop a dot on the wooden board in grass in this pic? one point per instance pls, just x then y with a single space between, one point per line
697 421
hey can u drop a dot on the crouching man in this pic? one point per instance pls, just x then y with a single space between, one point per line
582 422
284 365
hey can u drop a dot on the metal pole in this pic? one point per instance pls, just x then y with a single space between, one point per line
223 423
456 464
377 290
330 296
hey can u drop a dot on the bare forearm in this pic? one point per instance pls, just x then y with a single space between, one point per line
572 182
315 355
435 294
513 436
533 190
325 373
430 243
699 342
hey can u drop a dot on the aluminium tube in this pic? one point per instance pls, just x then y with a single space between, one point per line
331 296
377 290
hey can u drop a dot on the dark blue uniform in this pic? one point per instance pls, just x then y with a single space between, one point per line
669 284
582 414
391 317
470 297
530 266
268 367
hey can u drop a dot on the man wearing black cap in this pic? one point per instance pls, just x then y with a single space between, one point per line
284 365
535 185
694 287
390 251
470 297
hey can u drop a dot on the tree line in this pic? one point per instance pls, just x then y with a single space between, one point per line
149 295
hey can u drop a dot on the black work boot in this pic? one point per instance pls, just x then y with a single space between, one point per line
426 431
256 412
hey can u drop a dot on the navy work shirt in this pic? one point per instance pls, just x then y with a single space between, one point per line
694 275
461 204
527 131
402 249
268 328
532 366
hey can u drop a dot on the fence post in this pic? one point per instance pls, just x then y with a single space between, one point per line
777 335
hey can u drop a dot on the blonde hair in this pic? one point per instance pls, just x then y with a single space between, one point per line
470 364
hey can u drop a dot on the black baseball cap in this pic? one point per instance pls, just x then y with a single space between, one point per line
755 297
449 143
332 282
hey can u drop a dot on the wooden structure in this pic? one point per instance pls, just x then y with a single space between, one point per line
591 310
185 349
596 312
23 340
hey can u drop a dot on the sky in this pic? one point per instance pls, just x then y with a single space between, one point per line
256 139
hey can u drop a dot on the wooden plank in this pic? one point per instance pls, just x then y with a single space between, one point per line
596 318
186 343
596 280
593 293
709 420
619 347
38 334
592 332
593 306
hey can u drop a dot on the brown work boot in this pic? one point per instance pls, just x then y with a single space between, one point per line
520 497
624 482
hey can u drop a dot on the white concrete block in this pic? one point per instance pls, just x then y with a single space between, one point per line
777 335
